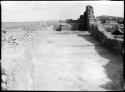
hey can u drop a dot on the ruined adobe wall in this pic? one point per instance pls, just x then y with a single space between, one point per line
98 31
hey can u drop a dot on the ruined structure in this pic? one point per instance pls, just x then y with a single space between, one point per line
96 28
89 14
82 22
66 27
37 58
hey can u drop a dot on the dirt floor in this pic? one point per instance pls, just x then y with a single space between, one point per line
64 61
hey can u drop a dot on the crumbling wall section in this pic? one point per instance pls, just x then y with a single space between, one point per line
98 31
114 44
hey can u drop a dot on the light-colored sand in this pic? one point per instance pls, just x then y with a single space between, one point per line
57 61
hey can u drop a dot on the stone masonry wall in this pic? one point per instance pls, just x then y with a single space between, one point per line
97 30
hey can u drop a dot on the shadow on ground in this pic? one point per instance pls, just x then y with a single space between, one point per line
114 69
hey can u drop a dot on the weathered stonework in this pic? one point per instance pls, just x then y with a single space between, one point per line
98 31
90 14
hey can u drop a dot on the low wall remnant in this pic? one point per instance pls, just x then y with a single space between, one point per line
97 29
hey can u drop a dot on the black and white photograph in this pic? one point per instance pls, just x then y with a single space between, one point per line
62 45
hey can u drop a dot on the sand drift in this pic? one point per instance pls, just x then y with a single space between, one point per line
50 60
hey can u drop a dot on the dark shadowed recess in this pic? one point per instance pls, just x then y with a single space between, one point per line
114 68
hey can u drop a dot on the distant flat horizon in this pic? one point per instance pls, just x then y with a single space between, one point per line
31 11
51 20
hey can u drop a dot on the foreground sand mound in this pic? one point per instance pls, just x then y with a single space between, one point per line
17 48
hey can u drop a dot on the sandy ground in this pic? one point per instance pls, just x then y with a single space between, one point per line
50 60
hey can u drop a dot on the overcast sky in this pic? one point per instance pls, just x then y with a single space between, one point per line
51 10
